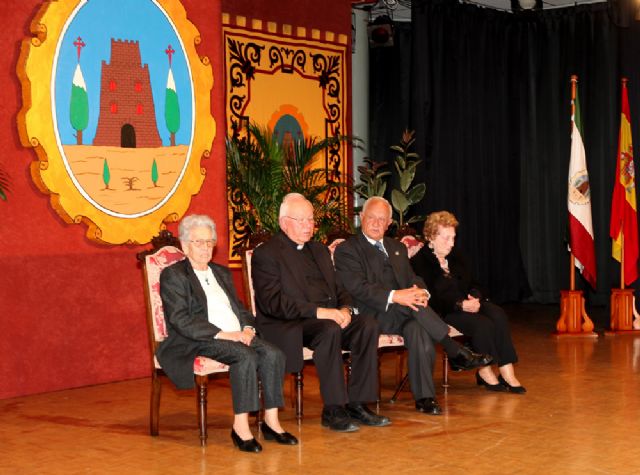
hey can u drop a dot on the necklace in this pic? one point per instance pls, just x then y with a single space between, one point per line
204 275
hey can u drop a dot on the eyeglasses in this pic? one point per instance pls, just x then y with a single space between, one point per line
203 242
310 221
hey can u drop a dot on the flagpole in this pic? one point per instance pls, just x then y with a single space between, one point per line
573 320
572 258
622 259
622 300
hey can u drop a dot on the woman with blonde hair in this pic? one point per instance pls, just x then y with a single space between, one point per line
458 300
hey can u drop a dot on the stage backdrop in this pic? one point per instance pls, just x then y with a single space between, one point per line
73 311
292 80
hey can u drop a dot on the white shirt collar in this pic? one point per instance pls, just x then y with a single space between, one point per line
373 241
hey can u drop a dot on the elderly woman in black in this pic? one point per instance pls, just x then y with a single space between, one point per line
461 304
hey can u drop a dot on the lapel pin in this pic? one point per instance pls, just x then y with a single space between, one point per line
397 253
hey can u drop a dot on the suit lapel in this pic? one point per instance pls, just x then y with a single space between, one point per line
198 291
325 266
226 286
373 257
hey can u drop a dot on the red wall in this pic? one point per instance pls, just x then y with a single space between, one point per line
72 312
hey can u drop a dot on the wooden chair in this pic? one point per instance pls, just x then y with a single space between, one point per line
165 252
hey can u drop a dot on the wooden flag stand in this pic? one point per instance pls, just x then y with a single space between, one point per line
622 311
623 316
573 321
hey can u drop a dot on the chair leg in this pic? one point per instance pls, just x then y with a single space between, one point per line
299 384
399 388
348 368
445 370
379 382
154 406
259 413
201 382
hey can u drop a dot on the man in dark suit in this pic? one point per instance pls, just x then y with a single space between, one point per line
299 303
377 273
205 318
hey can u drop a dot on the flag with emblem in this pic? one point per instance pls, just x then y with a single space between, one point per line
579 202
624 219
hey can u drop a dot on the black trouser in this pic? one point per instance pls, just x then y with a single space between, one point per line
488 330
327 340
421 330
246 364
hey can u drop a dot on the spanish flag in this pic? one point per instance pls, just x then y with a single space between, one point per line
624 219
579 201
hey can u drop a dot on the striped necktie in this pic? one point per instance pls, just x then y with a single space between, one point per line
378 245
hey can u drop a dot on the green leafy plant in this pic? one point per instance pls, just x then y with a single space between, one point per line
405 196
261 171
372 179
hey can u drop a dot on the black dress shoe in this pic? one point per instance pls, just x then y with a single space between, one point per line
362 414
512 389
284 438
336 418
251 445
467 359
500 388
428 405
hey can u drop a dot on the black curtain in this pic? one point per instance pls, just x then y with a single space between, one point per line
488 93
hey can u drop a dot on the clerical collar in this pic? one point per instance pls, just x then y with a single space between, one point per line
299 247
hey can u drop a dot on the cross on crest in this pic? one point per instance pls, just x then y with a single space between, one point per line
79 44
169 52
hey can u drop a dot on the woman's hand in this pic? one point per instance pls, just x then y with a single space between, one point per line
245 336
471 304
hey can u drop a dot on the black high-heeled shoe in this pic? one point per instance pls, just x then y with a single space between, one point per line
490 387
251 445
284 438
512 389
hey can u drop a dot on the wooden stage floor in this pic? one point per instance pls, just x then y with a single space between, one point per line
580 416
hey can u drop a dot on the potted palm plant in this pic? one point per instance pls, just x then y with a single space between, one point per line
261 170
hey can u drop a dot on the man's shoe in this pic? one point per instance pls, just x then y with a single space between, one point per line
428 405
337 419
362 414
467 359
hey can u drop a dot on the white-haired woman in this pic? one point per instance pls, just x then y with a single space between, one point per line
205 318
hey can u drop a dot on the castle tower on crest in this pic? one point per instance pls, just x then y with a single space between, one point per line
127 113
